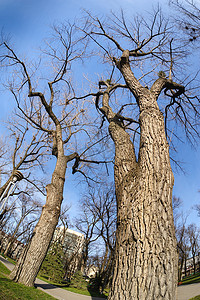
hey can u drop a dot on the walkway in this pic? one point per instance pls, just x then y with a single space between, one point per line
53 290
185 292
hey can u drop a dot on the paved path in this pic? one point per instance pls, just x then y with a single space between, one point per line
53 290
185 292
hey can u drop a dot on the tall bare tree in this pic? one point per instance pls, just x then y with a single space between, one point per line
97 221
182 244
102 204
50 111
141 52
193 235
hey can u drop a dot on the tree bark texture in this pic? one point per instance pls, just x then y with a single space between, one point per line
33 255
146 258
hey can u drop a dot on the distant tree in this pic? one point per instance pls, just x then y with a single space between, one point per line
28 209
98 218
182 244
194 242
197 208
86 223
177 212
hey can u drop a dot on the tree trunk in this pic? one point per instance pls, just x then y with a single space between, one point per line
32 257
146 258
180 269
185 265
194 264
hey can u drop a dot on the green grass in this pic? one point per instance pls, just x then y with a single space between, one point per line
9 259
84 292
191 279
195 298
4 270
92 293
74 290
10 290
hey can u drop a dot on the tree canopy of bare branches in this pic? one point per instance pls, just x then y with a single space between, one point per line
50 107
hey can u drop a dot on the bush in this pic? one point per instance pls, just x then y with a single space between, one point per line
78 281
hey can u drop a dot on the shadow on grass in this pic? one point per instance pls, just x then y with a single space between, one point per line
191 282
93 294
4 279
46 286
191 279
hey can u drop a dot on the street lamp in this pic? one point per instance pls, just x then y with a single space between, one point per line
17 176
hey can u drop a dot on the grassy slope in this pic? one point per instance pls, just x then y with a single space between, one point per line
74 290
71 289
10 290
191 279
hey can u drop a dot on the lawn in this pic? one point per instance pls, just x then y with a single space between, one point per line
191 279
195 298
74 290
10 290
4 271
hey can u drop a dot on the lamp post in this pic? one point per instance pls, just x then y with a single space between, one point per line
17 176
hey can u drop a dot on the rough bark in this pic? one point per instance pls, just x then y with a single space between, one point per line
146 258
31 260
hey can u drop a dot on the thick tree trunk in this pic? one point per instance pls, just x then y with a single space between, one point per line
146 259
31 259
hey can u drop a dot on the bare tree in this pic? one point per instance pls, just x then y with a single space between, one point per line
27 207
176 206
98 223
86 223
182 244
103 204
52 112
188 18
25 153
146 260
193 235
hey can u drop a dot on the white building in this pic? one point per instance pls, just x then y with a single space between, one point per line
73 243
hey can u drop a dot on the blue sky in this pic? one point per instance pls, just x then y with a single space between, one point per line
28 22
